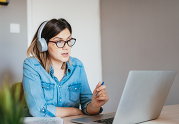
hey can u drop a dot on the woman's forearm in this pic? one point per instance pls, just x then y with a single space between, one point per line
92 110
67 111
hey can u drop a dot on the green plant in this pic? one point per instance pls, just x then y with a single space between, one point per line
11 105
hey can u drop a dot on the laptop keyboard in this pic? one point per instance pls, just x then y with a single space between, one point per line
105 121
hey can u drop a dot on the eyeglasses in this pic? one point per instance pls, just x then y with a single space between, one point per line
61 43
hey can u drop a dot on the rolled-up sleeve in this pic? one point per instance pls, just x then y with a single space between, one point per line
34 92
86 94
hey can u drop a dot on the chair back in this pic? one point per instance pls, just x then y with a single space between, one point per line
19 86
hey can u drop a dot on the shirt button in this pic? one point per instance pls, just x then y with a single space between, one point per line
60 100
59 86
42 109
75 88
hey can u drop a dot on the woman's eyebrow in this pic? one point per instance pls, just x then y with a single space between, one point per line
62 38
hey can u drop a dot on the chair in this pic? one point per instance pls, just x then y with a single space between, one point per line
16 86
19 86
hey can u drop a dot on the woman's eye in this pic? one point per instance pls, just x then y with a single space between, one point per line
61 41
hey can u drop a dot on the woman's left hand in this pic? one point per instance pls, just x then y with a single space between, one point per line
102 96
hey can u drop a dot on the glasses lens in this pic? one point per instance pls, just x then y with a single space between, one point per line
60 43
71 42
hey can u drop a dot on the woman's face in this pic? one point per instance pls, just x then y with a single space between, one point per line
60 54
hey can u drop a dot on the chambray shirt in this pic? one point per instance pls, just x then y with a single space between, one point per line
44 92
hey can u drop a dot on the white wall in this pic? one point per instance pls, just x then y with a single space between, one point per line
84 17
13 45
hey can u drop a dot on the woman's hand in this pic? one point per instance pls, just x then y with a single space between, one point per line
97 101
102 96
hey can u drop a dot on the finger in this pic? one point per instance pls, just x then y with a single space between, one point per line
98 85
102 93
103 87
102 98
99 94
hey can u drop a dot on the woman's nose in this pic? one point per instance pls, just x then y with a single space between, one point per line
66 46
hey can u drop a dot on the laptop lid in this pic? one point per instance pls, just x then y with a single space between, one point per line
144 95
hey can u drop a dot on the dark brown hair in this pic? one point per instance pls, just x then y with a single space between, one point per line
51 29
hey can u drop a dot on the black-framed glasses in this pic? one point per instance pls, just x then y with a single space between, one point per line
61 43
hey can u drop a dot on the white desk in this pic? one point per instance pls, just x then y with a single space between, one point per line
169 115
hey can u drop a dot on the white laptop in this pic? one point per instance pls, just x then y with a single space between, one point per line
142 99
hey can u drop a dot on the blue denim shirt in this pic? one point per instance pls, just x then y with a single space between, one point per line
44 92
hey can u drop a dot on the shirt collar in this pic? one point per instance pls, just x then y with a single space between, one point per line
68 69
51 70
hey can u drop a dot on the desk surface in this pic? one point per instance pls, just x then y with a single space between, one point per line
169 115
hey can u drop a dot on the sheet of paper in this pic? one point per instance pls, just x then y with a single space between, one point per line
42 120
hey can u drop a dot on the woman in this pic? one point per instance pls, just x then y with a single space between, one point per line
55 84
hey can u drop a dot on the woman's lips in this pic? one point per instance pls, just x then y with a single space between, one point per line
65 54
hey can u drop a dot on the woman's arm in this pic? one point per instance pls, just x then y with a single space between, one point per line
33 91
67 111
92 109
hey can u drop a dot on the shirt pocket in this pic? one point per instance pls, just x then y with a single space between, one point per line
74 92
48 90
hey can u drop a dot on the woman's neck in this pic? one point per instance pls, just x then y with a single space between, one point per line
58 71
56 64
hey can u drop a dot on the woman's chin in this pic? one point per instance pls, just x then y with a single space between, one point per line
65 59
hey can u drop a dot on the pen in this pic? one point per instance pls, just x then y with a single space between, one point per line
98 91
